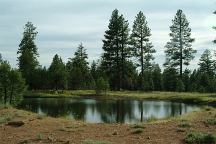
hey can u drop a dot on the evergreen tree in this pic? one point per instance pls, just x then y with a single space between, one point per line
180 87
157 77
170 78
140 42
207 63
57 74
78 70
27 60
116 51
4 80
179 50
94 70
101 86
12 85
186 80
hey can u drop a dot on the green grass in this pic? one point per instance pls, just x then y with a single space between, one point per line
204 98
200 138
95 142
185 125
210 122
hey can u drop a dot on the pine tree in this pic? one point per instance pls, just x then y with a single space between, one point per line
170 79
207 63
58 74
78 70
116 51
27 60
140 42
179 50
12 85
157 77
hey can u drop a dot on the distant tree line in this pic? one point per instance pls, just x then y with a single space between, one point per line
127 61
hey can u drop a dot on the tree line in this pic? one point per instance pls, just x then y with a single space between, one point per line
127 61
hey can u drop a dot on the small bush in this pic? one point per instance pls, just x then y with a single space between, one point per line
200 138
210 122
102 86
185 125
136 126
137 131
40 136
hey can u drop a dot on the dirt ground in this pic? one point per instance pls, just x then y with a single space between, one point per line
47 130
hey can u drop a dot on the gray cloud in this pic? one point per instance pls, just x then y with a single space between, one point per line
62 25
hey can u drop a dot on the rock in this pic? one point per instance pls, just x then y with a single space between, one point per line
148 138
115 133
15 123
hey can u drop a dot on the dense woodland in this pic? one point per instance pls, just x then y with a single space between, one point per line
127 62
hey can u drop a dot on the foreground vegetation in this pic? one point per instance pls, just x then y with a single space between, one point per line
196 127
202 98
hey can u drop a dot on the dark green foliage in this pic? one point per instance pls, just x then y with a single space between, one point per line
157 77
207 63
179 50
79 75
170 78
101 86
142 47
200 138
116 50
180 87
12 85
27 60
57 74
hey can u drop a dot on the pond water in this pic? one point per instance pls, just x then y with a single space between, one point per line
106 111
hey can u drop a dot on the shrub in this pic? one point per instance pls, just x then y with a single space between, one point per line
101 86
210 122
200 138
137 131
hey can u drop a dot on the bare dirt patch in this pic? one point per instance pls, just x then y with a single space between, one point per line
47 130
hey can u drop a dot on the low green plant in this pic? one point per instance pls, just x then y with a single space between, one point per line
200 138
137 131
136 126
5 118
210 122
185 125
40 136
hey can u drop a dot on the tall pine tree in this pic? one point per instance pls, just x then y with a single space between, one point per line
142 47
27 59
179 50
116 50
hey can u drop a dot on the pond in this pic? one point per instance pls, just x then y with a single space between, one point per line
106 111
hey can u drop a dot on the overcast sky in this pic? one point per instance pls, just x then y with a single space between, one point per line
63 24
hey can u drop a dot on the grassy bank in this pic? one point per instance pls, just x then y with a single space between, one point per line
201 98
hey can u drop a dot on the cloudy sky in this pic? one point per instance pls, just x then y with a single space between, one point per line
63 24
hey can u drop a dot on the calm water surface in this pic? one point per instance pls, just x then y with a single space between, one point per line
106 111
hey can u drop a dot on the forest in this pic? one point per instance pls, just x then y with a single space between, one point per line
127 63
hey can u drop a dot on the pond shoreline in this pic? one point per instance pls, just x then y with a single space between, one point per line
37 129
188 98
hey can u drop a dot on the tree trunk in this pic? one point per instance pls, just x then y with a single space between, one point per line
5 95
181 48
11 95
